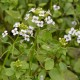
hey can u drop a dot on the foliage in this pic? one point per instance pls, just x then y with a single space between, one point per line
39 40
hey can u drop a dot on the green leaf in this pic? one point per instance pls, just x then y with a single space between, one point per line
77 66
42 75
4 1
31 5
49 64
40 58
55 74
74 52
14 2
43 1
63 66
15 52
18 74
76 0
4 6
77 9
68 75
9 71
34 66
25 65
10 20
42 4
44 35
68 9
14 14
46 47
70 0
56 14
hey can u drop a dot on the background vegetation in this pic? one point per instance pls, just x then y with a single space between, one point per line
46 58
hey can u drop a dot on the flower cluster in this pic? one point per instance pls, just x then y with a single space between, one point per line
72 33
25 33
37 16
40 17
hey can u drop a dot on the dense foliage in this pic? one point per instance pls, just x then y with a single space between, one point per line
39 40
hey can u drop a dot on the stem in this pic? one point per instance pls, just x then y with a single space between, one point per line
5 42
31 58
11 38
9 51
5 59
36 38
3 53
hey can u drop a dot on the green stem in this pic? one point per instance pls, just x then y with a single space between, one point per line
3 53
31 58
9 51
6 59
11 38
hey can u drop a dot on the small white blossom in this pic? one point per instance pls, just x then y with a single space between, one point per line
72 31
27 37
78 39
74 23
4 34
67 37
53 23
40 23
32 10
35 19
30 32
27 16
23 32
31 28
77 33
42 13
15 31
49 20
55 7
17 24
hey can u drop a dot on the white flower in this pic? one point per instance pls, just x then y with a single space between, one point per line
77 33
5 33
67 37
40 23
78 39
53 23
27 37
74 23
32 10
27 16
49 20
15 31
23 32
31 28
72 31
55 7
17 24
30 32
35 19
42 13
